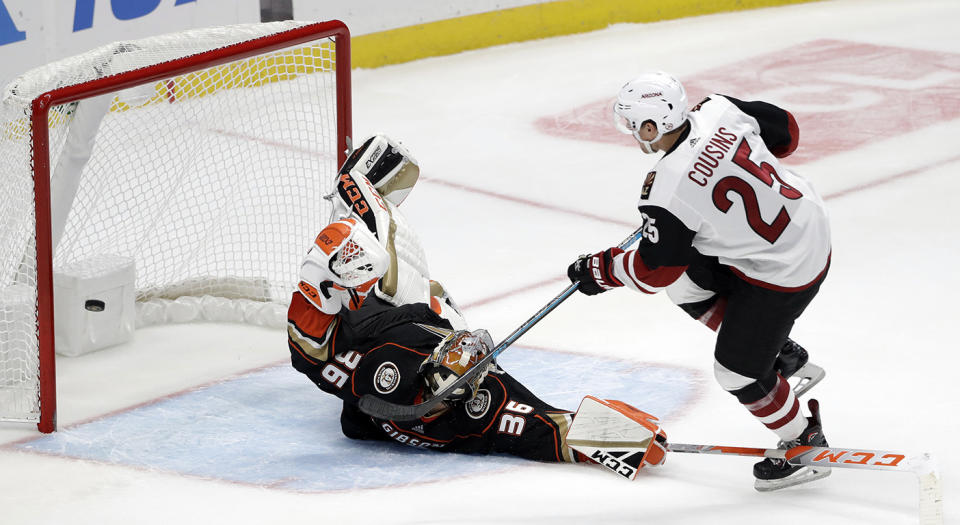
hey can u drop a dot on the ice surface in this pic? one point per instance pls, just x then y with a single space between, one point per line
881 326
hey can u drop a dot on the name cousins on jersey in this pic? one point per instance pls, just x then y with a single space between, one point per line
719 145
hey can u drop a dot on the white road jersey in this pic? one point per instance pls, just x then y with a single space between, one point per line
741 205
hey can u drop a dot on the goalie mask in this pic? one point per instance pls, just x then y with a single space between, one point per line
457 353
346 253
654 96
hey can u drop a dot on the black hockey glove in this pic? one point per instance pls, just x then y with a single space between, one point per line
595 272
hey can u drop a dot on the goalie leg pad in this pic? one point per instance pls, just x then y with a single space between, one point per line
406 277
617 436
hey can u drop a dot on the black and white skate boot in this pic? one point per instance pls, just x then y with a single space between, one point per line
775 474
793 361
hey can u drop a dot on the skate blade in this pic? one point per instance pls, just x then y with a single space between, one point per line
809 374
804 475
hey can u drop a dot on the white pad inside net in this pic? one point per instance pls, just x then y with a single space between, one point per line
211 181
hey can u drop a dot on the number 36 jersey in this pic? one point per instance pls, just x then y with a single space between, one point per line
721 191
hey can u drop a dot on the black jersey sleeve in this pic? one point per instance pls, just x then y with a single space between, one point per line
391 372
666 240
661 256
778 127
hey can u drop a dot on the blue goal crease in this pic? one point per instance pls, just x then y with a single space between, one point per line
254 430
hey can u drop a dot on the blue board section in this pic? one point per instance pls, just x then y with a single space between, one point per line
274 428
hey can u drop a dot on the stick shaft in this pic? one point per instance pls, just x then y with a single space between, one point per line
382 409
819 456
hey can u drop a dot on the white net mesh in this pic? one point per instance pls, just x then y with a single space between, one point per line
212 181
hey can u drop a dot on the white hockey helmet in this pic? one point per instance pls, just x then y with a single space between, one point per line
655 96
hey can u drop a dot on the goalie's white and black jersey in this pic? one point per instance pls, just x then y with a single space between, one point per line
378 349
721 192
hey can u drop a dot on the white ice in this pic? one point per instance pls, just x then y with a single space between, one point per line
880 325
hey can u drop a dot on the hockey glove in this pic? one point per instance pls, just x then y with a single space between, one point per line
387 164
595 272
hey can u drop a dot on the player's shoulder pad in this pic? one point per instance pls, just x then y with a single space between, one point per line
699 105
776 126
714 108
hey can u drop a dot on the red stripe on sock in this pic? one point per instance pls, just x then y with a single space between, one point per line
714 316
787 418
774 401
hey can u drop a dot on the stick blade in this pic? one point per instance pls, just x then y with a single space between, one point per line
382 409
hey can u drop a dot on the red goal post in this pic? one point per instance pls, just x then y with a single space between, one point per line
224 146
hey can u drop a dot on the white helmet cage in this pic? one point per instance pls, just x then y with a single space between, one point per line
655 96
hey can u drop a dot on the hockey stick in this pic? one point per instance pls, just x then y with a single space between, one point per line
931 498
819 456
383 409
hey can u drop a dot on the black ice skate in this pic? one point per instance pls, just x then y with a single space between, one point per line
793 361
775 474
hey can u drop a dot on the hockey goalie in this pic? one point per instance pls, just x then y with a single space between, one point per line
367 319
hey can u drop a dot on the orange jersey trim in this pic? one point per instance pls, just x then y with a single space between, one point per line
307 318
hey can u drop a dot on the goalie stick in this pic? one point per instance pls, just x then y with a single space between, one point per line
383 409
931 498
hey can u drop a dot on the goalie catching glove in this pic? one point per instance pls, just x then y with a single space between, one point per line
617 436
387 165
595 272
457 354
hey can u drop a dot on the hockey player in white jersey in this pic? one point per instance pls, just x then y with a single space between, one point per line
735 239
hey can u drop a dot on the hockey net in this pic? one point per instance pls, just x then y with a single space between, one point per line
201 156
